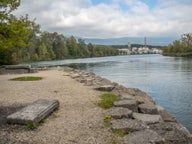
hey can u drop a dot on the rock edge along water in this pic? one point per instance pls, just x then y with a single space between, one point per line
33 113
161 126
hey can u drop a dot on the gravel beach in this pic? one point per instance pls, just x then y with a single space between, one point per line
77 121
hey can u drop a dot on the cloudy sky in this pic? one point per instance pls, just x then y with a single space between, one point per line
111 18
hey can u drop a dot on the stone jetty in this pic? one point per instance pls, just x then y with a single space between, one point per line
136 113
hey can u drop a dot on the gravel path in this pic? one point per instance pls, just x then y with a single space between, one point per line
77 121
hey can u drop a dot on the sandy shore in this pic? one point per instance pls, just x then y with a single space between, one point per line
77 121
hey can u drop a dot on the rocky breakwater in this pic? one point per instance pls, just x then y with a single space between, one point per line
136 113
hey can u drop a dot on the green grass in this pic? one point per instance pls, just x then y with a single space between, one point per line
107 100
119 132
31 126
27 78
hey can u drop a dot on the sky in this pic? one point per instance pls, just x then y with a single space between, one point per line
111 18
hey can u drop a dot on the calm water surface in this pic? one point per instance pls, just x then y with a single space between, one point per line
167 79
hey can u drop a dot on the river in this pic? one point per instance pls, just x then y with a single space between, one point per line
167 80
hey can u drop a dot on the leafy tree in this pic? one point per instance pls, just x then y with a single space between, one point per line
43 52
91 49
6 7
59 46
72 46
181 47
14 32
14 35
187 39
48 39
82 48
33 43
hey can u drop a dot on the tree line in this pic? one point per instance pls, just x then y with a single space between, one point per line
21 40
182 47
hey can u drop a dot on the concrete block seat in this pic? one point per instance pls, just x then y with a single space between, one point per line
33 113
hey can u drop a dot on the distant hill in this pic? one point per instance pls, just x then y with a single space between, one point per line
158 41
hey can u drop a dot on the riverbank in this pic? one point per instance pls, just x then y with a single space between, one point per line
79 119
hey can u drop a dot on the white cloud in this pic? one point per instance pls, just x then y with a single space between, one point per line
82 18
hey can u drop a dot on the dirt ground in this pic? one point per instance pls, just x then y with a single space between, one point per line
77 121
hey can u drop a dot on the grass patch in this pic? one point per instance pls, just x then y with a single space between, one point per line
31 126
107 100
27 78
107 117
119 132
42 121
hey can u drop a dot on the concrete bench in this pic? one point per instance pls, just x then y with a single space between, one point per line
17 69
33 113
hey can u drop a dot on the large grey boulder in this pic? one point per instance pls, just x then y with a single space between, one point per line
148 108
89 82
130 104
119 112
147 118
143 137
126 96
128 125
34 112
107 88
166 116
73 76
173 133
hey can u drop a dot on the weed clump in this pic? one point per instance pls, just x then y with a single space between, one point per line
107 100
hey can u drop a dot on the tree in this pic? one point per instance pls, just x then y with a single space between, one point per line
91 49
6 7
72 46
14 32
48 39
59 46
187 39
82 49
181 47
32 44
43 53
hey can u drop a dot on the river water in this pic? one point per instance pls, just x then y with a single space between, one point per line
167 80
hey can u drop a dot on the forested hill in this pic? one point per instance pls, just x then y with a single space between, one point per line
22 40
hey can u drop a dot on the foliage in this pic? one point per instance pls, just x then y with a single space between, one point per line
27 78
14 32
181 47
21 40
107 100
